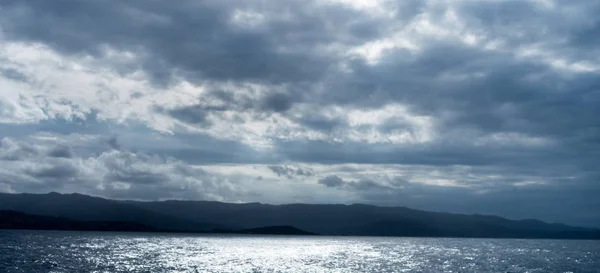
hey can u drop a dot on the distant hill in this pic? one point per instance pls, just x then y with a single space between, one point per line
356 220
18 220
87 208
366 220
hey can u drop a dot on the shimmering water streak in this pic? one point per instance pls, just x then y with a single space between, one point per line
28 251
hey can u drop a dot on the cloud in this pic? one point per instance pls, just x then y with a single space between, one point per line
331 181
113 173
228 51
290 172
334 181
10 150
468 106
59 171
61 151
277 102
12 74
113 142
192 114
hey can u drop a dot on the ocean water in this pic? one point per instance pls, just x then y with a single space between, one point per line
58 251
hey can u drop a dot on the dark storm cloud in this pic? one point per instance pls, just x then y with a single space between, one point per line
277 102
58 171
61 151
196 114
194 39
113 143
215 102
290 172
362 185
331 181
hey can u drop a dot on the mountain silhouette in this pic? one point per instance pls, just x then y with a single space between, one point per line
335 219
18 220
87 208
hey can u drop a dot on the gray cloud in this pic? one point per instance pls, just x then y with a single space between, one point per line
290 172
10 150
61 151
13 74
218 50
113 143
331 181
362 185
192 114
318 122
214 103
277 102
58 171
118 174
497 99
126 167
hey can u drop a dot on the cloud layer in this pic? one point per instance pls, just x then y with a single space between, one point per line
463 106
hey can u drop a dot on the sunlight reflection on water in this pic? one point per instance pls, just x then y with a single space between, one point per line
23 251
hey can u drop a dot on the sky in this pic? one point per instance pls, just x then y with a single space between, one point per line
463 106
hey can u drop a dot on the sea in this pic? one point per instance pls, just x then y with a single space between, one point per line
68 251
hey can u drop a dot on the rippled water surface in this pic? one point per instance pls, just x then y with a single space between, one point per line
28 251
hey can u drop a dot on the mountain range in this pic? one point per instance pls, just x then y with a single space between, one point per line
94 213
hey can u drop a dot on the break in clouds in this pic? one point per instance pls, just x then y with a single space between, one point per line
462 106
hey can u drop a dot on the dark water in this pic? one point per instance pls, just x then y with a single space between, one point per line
28 251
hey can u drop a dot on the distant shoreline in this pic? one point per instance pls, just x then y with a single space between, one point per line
179 232
14 220
77 212
210 233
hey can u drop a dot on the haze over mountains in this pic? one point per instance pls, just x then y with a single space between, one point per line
208 216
